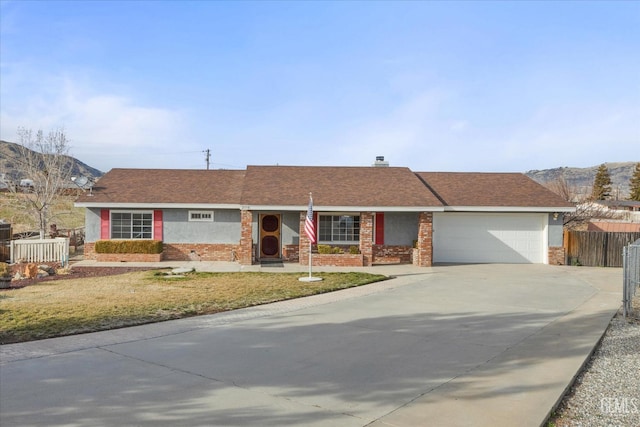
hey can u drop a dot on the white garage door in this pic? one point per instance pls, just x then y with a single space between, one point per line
486 238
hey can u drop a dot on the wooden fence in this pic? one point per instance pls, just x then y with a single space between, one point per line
5 238
41 250
596 248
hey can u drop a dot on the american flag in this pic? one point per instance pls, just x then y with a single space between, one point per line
309 226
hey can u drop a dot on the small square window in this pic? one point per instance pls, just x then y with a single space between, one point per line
202 216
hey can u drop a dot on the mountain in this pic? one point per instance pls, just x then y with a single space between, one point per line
582 178
10 153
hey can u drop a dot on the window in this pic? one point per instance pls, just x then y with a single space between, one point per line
339 228
201 216
131 225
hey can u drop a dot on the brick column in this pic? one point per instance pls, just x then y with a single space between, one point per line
556 255
303 241
425 240
245 252
366 237
89 250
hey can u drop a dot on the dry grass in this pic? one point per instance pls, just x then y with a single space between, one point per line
63 213
66 307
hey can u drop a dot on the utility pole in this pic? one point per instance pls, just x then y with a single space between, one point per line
208 156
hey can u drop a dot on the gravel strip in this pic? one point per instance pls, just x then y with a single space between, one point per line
607 392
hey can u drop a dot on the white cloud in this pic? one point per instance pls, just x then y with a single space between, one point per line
577 136
459 125
105 130
400 135
425 133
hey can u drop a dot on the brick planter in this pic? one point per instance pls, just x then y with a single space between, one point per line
128 257
396 254
291 253
200 252
338 260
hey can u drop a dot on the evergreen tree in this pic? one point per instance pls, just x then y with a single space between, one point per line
601 184
634 183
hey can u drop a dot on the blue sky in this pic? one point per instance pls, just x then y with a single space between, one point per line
435 86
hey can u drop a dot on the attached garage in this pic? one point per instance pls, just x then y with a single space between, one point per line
474 237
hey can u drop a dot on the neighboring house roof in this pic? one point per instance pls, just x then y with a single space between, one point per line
336 187
623 227
505 190
630 205
166 186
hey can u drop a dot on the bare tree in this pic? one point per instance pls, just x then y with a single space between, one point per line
585 209
45 171
562 188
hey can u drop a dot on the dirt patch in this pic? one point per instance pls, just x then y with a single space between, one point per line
78 273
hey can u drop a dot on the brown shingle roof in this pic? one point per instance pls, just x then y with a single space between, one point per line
167 186
335 186
331 186
490 189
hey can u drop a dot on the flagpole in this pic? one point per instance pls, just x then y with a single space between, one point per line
310 241
310 255
310 231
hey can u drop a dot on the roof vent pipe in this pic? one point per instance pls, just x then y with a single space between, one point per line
380 162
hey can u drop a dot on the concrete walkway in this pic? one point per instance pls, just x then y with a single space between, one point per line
472 345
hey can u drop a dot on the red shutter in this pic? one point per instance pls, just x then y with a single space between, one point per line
380 228
105 232
157 225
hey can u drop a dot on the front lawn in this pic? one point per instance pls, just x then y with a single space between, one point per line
65 307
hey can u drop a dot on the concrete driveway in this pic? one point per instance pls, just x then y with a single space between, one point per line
469 345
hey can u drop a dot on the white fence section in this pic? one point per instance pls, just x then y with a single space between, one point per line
42 250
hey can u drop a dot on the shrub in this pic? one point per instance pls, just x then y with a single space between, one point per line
354 250
324 249
128 247
5 270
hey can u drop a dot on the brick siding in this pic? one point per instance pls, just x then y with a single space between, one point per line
556 255
291 253
201 252
128 257
392 254
89 250
337 260
366 237
245 249
303 245
424 251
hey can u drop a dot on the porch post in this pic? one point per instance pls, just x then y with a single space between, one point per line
245 248
425 240
304 244
366 237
